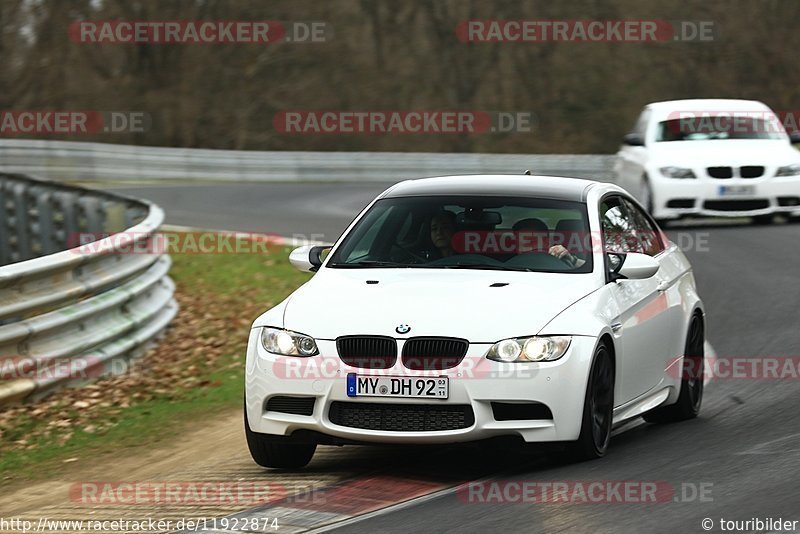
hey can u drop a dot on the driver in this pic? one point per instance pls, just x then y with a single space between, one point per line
443 226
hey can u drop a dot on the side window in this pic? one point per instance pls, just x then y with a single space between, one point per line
647 235
618 228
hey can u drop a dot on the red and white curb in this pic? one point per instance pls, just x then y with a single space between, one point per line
336 505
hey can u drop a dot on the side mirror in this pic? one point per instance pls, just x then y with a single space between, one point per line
633 139
308 258
632 266
794 137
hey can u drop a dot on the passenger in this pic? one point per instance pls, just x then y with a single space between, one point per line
559 251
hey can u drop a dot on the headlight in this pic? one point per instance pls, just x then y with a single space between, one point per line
677 172
788 170
287 343
529 349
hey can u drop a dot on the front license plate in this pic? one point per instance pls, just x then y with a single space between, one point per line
736 190
434 387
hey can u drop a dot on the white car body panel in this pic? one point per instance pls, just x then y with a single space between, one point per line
647 321
403 296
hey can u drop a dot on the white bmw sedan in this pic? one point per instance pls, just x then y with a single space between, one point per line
467 307
713 157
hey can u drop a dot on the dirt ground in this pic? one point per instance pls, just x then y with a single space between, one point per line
216 452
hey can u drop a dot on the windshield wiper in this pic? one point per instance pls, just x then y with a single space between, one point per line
392 264
482 267
370 263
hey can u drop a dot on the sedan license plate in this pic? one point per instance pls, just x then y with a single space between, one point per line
434 387
736 190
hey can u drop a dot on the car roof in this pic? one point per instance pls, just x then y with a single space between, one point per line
707 104
551 187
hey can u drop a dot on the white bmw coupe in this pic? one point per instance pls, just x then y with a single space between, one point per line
467 307
712 157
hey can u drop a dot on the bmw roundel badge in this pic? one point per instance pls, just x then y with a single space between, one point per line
403 329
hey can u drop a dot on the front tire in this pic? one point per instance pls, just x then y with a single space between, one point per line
277 451
692 378
647 196
763 220
598 409
649 203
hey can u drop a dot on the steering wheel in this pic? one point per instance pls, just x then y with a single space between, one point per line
569 258
408 255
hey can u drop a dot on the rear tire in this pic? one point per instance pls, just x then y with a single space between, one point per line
598 409
692 374
277 451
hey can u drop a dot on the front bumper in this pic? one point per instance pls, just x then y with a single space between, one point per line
770 195
475 382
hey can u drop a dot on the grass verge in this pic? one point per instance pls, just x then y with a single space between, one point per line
196 371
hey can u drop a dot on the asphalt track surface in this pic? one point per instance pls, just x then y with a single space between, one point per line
286 209
744 449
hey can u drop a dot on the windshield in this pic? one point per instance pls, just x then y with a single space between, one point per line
469 232
707 127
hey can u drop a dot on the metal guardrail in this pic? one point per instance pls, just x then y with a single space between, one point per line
68 314
69 160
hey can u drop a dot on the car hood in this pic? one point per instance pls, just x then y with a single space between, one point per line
433 302
731 152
